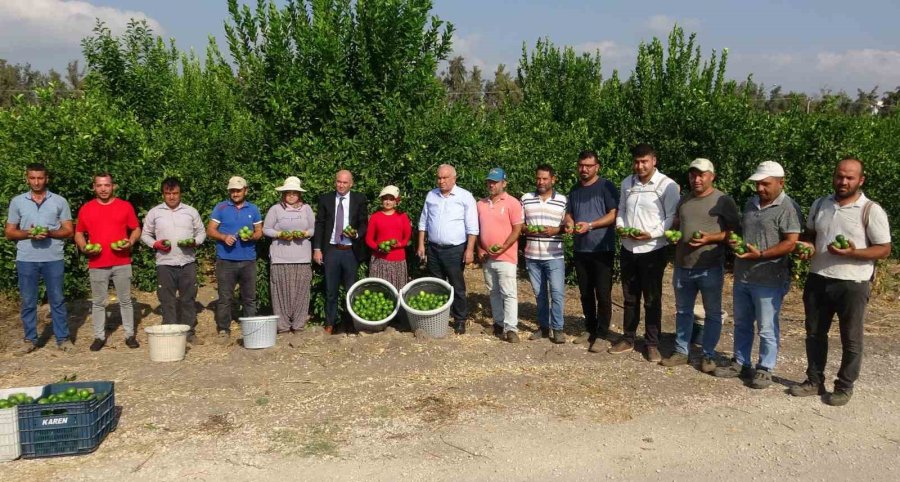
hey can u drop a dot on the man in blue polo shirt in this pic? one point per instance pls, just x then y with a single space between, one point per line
235 225
39 222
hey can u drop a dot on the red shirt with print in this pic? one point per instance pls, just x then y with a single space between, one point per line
104 224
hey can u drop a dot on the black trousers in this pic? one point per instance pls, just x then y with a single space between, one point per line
642 275
822 299
177 290
340 270
446 262
228 275
594 271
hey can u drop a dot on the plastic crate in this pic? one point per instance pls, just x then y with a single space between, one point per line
67 428
10 449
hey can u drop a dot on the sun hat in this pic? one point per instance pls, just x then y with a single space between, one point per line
292 183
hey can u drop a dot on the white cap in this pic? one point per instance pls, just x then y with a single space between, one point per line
702 165
237 182
390 190
291 184
767 169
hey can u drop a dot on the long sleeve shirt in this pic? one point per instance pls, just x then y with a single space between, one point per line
383 227
649 207
173 224
282 217
449 220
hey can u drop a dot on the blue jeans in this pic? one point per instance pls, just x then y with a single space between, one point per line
708 282
548 279
53 273
761 304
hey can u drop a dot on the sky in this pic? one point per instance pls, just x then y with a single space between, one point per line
800 45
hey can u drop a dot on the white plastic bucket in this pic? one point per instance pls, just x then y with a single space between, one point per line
376 285
259 331
167 342
10 448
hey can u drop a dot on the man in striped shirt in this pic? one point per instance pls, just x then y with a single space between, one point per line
545 210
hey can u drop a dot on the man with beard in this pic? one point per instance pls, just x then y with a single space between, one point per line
840 277
545 210
590 215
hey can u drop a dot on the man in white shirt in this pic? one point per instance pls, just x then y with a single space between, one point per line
647 204
450 219
847 233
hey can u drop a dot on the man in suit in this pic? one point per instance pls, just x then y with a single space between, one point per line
339 241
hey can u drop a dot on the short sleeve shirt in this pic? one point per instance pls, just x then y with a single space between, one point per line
832 219
25 213
713 214
231 219
544 213
589 203
105 224
765 227
496 221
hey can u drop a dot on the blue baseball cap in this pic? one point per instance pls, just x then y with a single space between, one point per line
496 174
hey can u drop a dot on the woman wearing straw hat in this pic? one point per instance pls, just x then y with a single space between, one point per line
290 224
387 237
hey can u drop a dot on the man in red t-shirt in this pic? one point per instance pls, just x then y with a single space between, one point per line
110 223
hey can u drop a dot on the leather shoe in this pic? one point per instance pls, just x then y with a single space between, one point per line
459 327
328 329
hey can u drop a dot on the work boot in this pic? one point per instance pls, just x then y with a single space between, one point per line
25 347
621 346
761 379
653 355
839 397
540 334
733 370
498 331
582 338
65 346
558 337
807 389
708 365
675 359
225 336
459 327
512 337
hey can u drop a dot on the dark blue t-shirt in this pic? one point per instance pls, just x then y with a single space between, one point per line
231 219
589 203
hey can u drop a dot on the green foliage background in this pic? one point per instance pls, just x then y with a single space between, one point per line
321 85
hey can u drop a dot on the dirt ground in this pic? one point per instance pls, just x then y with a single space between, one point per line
390 406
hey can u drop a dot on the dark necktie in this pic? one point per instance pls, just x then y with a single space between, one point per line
339 221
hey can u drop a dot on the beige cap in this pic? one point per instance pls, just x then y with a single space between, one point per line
292 183
237 182
390 191
767 169
702 165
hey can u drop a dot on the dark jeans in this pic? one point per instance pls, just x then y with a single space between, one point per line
340 269
642 275
229 274
177 288
594 271
446 262
822 299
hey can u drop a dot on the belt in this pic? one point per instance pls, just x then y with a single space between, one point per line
342 247
446 246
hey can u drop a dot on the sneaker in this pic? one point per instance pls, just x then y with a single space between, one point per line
761 379
512 337
131 342
708 365
540 334
675 359
65 346
98 344
558 337
224 337
193 339
733 370
653 355
839 397
807 389
621 346
26 347
582 339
